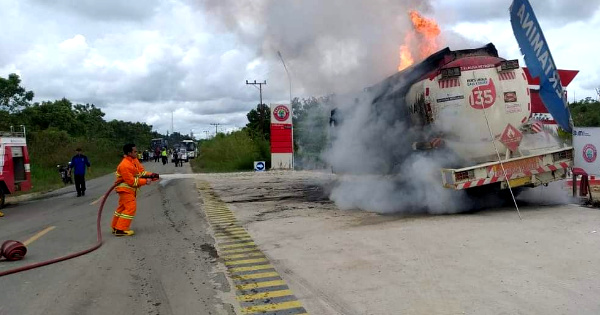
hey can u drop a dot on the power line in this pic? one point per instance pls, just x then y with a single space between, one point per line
260 84
260 108
216 128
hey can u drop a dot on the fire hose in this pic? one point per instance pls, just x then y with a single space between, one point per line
14 250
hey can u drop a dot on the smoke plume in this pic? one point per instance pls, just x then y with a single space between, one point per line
330 46
339 48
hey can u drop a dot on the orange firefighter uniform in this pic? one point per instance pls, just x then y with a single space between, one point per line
129 180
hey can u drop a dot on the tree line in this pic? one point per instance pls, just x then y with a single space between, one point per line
56 128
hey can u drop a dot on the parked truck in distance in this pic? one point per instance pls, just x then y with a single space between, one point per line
475 108
15 171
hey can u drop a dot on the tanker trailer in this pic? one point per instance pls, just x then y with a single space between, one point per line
474 107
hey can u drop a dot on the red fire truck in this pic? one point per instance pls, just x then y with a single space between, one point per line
15 172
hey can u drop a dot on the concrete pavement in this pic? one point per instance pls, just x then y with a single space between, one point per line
166 268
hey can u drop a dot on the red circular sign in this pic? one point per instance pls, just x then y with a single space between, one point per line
483 95
281 113
590 153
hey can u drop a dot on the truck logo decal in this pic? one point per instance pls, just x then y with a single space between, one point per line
484 95
590 153
510 97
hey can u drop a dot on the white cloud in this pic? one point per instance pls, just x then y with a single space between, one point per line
141 59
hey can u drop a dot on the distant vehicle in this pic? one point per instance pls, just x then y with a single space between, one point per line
190 147
65 174
159 143
15 174
183 154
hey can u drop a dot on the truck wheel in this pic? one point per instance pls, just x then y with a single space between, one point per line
2 198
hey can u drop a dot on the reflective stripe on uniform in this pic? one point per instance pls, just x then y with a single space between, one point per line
124 216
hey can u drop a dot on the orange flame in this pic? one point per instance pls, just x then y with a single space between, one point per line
425 32
406 59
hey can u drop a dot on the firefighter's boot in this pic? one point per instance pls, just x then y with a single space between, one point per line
123 233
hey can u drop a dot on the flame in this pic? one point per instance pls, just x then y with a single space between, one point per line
406 58
425 32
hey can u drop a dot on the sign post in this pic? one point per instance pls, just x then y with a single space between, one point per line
282 146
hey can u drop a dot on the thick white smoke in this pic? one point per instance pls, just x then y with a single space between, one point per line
338 48
330 47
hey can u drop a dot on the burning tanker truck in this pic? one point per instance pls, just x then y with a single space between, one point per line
469 108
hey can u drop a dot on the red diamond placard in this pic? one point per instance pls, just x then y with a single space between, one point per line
511 137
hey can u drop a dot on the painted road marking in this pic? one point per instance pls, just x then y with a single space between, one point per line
256 276
96 201
260 288
265 284
271 307
231 233
233 240
251 268
238 245
245 261
264 295
38 235
240 250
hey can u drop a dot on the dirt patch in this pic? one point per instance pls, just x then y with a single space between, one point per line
210 249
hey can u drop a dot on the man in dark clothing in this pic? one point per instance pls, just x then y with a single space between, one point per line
78 165
156 154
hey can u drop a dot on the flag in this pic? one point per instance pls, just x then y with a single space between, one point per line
537 56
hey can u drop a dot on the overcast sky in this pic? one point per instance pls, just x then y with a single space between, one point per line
141 60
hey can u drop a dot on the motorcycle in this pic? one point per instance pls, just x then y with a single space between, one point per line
65 174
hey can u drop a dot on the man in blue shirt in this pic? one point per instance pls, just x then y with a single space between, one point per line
78 165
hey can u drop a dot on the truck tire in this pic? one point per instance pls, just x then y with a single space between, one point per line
2 198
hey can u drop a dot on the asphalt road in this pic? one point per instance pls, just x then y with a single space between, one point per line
168 267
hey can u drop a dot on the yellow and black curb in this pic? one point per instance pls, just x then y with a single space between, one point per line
259 287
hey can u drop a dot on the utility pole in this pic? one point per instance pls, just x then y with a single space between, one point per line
216 126
260 84
206 133
172 129
260 105
598 92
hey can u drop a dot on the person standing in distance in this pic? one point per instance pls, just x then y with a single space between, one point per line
79 163
130 177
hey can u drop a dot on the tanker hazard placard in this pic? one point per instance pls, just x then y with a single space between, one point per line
511 138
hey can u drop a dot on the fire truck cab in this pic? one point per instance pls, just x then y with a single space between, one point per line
15 172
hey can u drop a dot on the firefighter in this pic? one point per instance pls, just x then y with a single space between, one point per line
130 177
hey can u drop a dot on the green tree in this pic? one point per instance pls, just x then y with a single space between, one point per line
586 112
259 122
57 114
92 118
13 97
